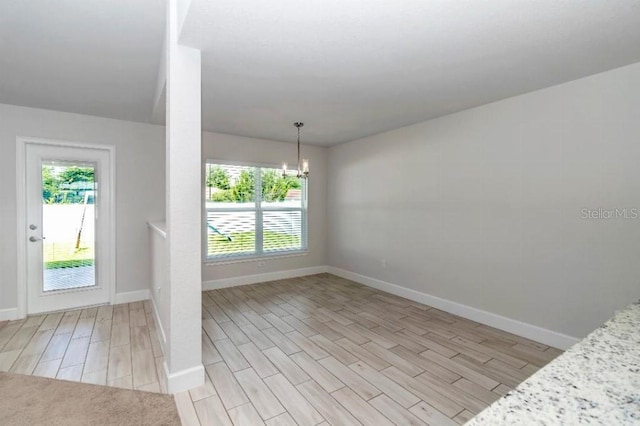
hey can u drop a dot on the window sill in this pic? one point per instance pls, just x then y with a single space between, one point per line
219 262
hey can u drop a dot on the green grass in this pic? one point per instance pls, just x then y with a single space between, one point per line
65 255
244 242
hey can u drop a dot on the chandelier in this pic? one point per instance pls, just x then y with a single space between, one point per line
303 168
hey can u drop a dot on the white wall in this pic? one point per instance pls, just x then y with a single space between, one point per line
182 349
483 207
139 186
140 189
235 148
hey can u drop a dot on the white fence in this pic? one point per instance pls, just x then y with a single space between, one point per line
62 222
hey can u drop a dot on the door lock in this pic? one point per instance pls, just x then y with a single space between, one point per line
33 227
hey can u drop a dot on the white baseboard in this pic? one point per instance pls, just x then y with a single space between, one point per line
185 379
8 314
127 297
539 334
132 296
259 278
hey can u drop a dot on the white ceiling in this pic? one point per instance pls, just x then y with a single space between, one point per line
96 57
346 68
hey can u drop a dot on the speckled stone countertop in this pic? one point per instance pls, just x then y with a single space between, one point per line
596 382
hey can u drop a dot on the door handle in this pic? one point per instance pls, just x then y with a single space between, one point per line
35 239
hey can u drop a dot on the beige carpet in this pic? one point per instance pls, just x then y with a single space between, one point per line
28 400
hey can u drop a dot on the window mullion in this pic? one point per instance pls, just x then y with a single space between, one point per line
258 200
304 211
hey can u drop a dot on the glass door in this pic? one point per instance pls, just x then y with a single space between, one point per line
68 225
69 236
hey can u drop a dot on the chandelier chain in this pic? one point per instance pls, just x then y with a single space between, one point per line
299 171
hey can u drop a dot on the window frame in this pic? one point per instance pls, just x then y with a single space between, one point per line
259 210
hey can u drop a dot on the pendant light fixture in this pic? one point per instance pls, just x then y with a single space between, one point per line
303 168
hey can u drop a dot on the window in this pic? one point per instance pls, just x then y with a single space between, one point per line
253 212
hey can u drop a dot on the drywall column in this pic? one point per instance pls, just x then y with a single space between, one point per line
183 357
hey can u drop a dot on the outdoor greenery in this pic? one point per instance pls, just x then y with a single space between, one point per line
67 185
63 185
236 184
65 255
274 186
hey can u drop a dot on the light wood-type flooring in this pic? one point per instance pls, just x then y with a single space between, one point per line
306 351
109 345
325 350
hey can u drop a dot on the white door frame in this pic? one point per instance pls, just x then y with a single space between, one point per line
21 246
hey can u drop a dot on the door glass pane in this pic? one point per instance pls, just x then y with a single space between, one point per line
68 225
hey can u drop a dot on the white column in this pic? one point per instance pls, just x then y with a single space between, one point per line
183 357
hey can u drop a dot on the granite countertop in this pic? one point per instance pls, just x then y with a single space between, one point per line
597 381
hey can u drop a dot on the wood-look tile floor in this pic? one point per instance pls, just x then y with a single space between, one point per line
306 351
108 345
325 350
